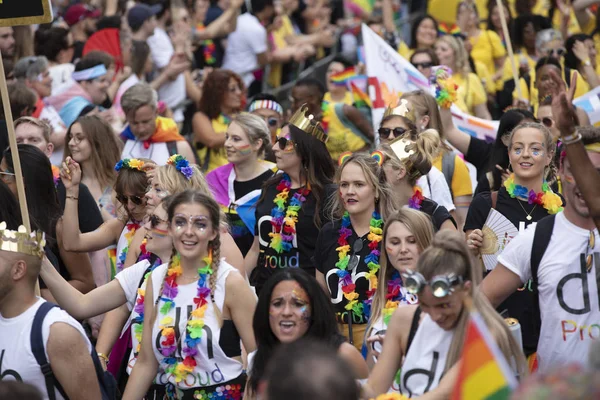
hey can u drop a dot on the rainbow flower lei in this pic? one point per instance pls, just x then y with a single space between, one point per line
416 199
131 227
129 163
396 296
182 165
372 261
446 90
547 198
175 365
285 219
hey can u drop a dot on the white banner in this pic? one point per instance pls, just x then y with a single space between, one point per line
388 71
590 103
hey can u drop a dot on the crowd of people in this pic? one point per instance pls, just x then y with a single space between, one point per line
196 234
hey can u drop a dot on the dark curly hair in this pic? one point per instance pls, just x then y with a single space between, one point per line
216 86
50 42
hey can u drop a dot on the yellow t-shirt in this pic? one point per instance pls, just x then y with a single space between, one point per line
470 92
588 29
486 48
531 93
216 157
278 41
341 139
445 10
461 180
486 77
520 58
572 27
404 51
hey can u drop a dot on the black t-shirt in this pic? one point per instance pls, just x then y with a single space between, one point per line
300 256
521 304
478 154
438 213
242 236
326 257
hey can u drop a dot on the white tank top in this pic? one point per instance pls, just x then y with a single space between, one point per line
16 357
426 359
213 366
157 152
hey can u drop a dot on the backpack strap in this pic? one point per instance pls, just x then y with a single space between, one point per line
448 160
38 350
541 240
413 328
494 196
172 147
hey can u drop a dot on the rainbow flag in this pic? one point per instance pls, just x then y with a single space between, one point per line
361 99
484 373
342 78
360 7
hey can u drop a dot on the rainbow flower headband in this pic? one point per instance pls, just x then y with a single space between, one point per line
182 165
130 163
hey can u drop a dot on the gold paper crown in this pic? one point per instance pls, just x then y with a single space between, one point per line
21 242
402 109
400 147
308 124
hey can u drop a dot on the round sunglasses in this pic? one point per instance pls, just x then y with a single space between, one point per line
386 133
285 143
137 200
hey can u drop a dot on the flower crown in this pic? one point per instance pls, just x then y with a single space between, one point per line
130 163
21 242
182 165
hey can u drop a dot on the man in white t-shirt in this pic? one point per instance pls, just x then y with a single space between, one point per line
568 274
66 348
247 47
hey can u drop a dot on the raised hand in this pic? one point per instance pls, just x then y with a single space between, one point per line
70 173
565 116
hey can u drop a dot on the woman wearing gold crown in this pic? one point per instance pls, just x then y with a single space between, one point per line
347 251
524 198
290 210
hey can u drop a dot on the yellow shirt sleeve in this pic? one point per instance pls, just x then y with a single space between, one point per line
461 180
404 51
476 95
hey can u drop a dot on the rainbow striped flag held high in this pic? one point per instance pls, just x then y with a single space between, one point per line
342 78
484 373
361 99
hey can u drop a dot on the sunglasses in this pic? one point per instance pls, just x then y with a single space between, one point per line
548 122
589 257
285 143
137 200
441 285
423 65
155 220
357 247
558 52
272 122
386 132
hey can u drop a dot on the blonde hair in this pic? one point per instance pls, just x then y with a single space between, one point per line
424 104
550 172
419 163
419 224
447 254
256 128
461 58
374 175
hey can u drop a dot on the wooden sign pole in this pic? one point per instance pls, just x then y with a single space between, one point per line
14 150
509 48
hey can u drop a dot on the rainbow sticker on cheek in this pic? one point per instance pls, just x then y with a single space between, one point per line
305 314
570 179
245 150
160 233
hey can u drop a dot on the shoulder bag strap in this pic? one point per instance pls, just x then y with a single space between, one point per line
494 196
413 328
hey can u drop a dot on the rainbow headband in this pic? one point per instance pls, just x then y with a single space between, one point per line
90 73
130 163
182 165
265 104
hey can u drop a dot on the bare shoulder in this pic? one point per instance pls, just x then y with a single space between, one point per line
65 340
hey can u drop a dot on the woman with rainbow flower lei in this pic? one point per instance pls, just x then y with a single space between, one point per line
524 198
130 188
348 248
406 235
197 307
290 210
405 162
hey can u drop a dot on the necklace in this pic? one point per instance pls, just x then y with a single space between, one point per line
547 198
131 228
173 364
372 261
528 217
284 219
396 295
416 199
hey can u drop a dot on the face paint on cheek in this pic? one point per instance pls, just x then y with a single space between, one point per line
569 179
160 233
245 150
305 314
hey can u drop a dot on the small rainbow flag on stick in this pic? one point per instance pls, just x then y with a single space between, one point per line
484 373
361 99
342 78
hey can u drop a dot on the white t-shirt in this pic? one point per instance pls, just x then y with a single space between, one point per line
243 45
16 357
61 77
568 293
130 278
440 192
171 92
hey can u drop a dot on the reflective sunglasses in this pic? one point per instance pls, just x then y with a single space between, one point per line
357 247
285 143
423 65
137 200
441 285
386 132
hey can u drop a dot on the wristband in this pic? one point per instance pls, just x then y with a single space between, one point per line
570 139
